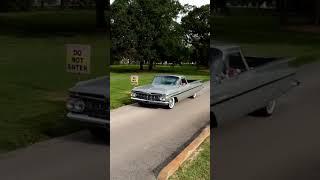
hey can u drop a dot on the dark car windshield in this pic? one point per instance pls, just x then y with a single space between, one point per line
165 80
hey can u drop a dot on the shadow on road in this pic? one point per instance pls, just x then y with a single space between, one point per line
85 137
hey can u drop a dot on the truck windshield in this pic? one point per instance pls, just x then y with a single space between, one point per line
165 80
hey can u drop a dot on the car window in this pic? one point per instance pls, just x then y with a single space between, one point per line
236 65
165 80
183 81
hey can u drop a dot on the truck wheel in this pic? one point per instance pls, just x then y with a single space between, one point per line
171 103
268 110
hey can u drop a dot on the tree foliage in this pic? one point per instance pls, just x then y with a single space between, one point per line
197 32
142 30
146 31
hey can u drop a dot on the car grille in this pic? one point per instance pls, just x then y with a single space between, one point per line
150 97
95 106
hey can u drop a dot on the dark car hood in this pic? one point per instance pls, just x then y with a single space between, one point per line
98 86
159 89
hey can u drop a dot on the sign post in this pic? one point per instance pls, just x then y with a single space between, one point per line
78 59
134 80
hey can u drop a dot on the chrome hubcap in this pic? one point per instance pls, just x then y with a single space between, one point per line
271 106
171 102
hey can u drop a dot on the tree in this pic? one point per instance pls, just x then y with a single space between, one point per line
142 27
197 32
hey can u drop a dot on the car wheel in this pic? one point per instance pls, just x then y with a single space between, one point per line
171 103
141 104
267 110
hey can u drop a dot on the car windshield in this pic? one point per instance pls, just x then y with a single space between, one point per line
165 80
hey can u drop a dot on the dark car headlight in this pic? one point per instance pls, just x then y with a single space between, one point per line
75 105
163 98
133 94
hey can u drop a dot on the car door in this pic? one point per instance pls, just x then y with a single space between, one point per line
230 98
186 88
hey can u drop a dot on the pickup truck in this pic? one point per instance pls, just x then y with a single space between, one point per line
166 90
242 85
88 103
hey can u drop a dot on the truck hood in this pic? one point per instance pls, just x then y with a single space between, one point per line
98 86
159 89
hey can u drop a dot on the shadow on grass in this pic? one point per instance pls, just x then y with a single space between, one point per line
65 23
26 131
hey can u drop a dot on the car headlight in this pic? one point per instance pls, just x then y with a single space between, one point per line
70 105
75 105
133 94
79 106
163 98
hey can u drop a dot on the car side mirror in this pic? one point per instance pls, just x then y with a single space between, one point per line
219 79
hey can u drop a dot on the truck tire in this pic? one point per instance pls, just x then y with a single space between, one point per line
194 96
172 102
267 110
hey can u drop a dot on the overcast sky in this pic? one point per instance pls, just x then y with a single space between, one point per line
197 3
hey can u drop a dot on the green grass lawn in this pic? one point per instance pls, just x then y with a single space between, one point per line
120 85
262 35
32 72
197 167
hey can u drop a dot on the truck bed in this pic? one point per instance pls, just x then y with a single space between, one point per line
192 81
254 62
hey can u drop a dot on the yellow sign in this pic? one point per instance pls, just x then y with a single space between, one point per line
78 58
134 79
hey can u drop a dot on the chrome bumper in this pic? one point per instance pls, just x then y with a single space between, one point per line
88 119
150 102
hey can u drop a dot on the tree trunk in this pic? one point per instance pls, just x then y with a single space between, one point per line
150 65
284 12
62 4
317 12
141 65
100 15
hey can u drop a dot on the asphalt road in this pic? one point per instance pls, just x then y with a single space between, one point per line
144 139
77 156
285 146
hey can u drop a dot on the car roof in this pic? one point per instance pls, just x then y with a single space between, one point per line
179 76
223 46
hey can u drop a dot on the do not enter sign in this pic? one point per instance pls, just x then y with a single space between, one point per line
78 58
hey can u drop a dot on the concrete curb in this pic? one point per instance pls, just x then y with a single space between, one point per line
174 165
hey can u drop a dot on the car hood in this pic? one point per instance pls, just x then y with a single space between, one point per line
98 86
159 89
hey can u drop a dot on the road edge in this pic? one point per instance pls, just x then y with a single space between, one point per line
174 165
